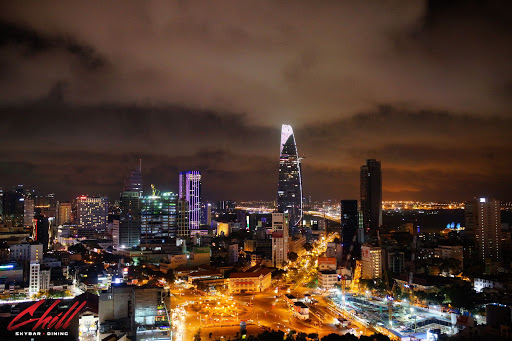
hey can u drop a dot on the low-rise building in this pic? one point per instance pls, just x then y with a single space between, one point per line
203 275
487 282
254 280
327 279
301 311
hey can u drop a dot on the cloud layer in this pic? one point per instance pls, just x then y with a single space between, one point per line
88 87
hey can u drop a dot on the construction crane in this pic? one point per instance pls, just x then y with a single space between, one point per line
154 191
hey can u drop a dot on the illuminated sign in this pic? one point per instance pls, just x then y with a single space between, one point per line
47 319
4 267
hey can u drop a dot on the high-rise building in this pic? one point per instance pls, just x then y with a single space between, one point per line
91 215
28 211
371 259
349 223
483 225
41 232
190 190
133 182
34 283
183 224
128 232
289 191
158 217
64 213
371 195
206 214
13 204
280 238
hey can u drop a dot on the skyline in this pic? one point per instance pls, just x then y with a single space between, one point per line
424 87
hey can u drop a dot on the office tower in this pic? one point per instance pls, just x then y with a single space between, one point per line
64 213
158 218
289 192
371 259
41 232
183 230
190 190
280 238
483 225
133 182
128 231
349 223
13 208
28 211
91 215
206 214
371 195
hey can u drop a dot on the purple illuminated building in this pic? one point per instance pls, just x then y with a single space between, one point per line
190 190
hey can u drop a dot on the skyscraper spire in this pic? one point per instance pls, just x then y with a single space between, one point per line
289 192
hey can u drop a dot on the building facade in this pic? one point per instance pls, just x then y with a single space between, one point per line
371 259
158 218
190 190
129 229
289 192
91 215
349 223
371 195
483 225
279 239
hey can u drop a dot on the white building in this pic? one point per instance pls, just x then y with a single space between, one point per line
301 311
26 252
371 258
34 284
481 283
279 239
327 279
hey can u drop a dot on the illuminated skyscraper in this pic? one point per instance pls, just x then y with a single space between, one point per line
371 195
190 190
289 191
158 217
133 182
128 233
91 215
483 226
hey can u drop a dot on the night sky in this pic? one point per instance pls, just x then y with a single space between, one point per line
89 87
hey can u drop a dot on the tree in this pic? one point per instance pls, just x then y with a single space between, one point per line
308 247
292 256
169 276
197 335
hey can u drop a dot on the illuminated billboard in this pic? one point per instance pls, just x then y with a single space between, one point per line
46 319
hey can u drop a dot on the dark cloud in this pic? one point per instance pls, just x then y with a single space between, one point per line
86 88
